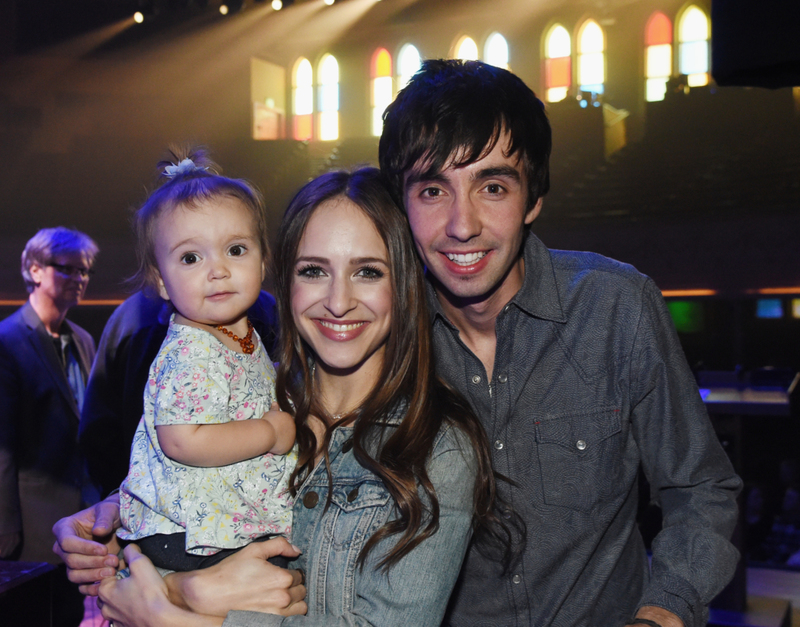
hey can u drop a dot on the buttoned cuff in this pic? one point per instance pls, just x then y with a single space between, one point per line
677 596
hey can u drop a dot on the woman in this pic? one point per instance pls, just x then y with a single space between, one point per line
393 472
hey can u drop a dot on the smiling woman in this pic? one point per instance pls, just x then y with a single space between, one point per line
393 472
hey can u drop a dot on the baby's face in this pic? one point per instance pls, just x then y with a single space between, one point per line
210 262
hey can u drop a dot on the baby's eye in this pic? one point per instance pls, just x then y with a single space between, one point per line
237 250
190 258
370 272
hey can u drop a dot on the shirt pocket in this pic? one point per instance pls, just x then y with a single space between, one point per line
358 507
580 458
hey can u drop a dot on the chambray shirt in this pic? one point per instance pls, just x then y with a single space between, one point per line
412 592
589 383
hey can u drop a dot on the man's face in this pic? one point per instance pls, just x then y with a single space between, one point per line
64 280
468 225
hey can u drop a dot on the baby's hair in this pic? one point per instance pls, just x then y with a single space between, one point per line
188 177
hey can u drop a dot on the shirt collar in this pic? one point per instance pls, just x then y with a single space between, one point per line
539 295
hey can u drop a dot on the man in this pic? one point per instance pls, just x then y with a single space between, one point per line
570 360
44 362
573 365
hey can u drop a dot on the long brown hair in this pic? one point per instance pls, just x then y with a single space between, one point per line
406 380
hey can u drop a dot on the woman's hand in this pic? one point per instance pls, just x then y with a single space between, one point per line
141 599
243 581
88 545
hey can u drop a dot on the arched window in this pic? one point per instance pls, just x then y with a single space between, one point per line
658 56
466 49
557 64
382 88
591 58
495 52
328 95
302 100
693 35
408 62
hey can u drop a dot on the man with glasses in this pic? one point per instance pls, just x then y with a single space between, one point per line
44 362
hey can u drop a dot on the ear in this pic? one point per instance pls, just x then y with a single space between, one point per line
36 273
263 270
534 211
162 290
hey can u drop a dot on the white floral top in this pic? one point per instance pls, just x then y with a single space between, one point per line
196 379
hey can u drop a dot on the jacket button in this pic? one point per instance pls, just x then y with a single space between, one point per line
580 445
476 379
310 500
347 446
516 579
352 495
502 378
498 444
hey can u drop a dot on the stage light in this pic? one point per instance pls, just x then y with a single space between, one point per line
277 5
329 2
138 17
231 6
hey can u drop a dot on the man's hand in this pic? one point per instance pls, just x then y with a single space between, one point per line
9 542
660 616
243 581
88 545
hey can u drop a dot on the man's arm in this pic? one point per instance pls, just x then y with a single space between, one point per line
691 477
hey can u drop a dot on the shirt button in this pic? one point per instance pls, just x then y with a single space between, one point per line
507 514
498 444
310 500
580 445
476 379
502 378
352 495
516 579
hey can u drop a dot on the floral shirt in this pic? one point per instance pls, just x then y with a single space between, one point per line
196 379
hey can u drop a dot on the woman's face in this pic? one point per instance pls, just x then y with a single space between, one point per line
341 291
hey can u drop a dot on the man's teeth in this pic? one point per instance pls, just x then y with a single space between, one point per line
466 258
340 328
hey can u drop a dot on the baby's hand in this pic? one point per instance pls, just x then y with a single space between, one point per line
283 424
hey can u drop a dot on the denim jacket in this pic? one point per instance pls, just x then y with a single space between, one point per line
412 592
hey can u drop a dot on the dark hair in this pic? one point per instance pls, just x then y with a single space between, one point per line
453 109
188 178
48 244
406 381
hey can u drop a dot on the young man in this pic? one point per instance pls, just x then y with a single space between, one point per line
573 365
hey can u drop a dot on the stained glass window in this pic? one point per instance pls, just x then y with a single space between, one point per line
658 56
408 63
302 100
382 87
495 52
693 34
328 98
467 49
557 64
591 58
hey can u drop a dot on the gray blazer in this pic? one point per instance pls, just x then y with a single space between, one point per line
41 470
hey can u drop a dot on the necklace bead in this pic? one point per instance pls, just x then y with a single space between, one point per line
246 342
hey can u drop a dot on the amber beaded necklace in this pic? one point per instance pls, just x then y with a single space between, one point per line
245 342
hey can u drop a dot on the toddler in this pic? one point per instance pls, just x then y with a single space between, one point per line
210 463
